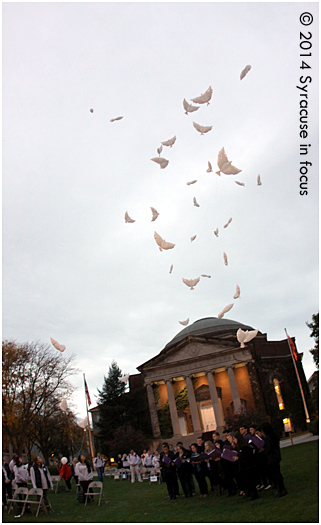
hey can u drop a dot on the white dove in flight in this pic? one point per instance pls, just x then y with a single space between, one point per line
228 222
245 71
163 245
191 282
209 169
202 129
116 118
84 423
124 379
195 203
128 219
226 309
169 142
161 161
155 214
225 166
204 98
245 337
63 405
184 323
59 347
189 108
237 293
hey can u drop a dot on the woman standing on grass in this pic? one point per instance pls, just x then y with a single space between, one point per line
65 472
246 466
184 470
85 475
40 478
198 471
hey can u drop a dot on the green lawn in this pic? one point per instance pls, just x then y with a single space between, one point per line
148 503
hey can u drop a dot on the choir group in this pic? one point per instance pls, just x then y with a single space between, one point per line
242 462
246 460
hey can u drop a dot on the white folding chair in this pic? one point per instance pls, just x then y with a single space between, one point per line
55 482
95 485
38 494
20 491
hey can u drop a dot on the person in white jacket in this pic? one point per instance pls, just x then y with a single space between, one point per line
40 478
148 460
156 459
21 474
134 462
85 474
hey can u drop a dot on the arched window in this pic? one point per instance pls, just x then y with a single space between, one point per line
279 397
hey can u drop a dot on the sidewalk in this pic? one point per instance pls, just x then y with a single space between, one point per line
303 438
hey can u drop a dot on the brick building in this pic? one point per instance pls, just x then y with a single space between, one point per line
203 376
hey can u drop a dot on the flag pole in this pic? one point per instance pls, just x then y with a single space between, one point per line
307 418
88 426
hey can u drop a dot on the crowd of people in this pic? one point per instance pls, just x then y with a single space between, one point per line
243 462
19 473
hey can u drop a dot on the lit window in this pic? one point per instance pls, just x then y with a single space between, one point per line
278 394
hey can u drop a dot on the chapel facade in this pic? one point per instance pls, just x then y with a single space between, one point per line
204 364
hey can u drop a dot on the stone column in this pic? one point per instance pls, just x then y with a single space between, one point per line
234 389
193 405
172 408
218 412
153 411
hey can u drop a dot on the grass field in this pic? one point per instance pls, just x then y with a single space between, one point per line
147 503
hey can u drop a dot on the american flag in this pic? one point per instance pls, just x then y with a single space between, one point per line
292 346
87 392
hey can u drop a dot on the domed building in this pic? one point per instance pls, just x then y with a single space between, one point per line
203 376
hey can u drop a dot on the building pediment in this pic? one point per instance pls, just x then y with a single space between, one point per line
192 356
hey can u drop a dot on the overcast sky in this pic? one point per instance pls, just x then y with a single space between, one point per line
72 269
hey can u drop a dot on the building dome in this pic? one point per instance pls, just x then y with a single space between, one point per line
209 327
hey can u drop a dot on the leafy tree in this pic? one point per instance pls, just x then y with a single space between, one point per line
314 327
34 376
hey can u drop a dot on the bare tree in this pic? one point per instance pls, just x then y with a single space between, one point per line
34 376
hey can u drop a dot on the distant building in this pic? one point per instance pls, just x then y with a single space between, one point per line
313 381
204 363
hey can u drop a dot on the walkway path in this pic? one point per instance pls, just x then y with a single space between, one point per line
303 438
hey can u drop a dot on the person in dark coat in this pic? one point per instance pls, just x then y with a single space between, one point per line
119 461
169 471
228 469
6 482
273 453
184 470
246 475
199 471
